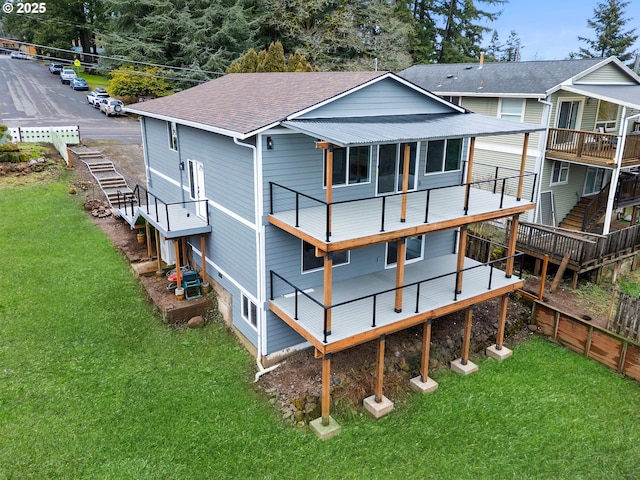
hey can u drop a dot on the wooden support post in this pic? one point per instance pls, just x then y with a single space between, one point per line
523 163
536 267
574 281
380 369
328 286
501 321
183 241
147 229
158 251
426 346
326 389
405 181
560 272
176 246
614 293
462 248
634 214
466 340
543 276
511 248
472 145
328 179
402 246
203 253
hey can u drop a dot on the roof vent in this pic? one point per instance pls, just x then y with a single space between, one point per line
450 75
468 67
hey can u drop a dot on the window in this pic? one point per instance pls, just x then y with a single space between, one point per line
512 109
350 165
310 262
560 173
443 155
249 311
607 116
414 251
173 136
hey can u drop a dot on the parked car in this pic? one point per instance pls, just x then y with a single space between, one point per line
79 84
100 100
19 55
112 106
66 75
95 95
55 67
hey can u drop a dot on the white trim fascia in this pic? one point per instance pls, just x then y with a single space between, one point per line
492 94
260 241
188 123
171 180
576 90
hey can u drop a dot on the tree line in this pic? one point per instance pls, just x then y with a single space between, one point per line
206 37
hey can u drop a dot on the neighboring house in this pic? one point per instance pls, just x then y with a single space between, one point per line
331 209
591 110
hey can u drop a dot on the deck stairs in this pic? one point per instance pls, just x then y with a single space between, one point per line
110 181
576 217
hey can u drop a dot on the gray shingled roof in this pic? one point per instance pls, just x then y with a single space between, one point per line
525 78
406 128
242 103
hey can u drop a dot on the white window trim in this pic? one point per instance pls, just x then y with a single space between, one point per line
501 114
426 151
406 262
173 131
347 184
304 272
247 318
551 182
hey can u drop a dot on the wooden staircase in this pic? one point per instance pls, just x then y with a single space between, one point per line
109 180
587 212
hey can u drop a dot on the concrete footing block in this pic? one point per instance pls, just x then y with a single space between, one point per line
463 369
325 432
418 385
501 354
377 409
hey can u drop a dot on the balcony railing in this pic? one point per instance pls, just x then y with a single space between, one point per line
499 181
154 206
595 147
580 143
281 287
628 191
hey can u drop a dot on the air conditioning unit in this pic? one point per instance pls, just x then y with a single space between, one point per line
167 251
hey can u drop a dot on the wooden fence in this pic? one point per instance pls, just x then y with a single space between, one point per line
613 350
626 322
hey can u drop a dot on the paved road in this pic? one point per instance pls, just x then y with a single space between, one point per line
30 96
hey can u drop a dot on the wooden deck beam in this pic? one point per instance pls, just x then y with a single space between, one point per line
405 181
426 346
511 248
380 368
466 339
328 289
462 248
326 389
400 259
504 303
523 162
472 150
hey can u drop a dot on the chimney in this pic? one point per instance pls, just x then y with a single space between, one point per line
481 60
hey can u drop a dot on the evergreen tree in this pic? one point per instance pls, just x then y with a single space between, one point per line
608 23
511 50
270 60
494 49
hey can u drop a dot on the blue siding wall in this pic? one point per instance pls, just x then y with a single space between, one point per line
386 97
162 160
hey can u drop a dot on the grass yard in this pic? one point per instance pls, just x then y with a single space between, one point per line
94 386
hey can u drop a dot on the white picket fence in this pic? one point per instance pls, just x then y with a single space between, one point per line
60 137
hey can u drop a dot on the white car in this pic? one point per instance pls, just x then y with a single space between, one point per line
95 95
19 55
111 106
66 75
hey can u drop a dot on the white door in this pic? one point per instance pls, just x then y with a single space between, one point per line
196 186
594 180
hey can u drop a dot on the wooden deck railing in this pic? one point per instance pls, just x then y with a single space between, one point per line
628 191
584 249
582 143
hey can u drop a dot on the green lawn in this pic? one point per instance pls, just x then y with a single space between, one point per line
94 386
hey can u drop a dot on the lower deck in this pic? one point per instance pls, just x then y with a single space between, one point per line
429 292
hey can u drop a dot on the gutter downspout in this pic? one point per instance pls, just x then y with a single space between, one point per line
257 188
546 120
616 172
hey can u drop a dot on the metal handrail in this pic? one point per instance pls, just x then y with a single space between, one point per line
383 198
374 296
